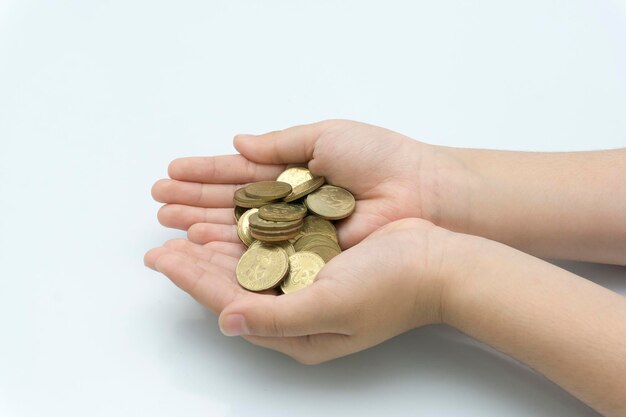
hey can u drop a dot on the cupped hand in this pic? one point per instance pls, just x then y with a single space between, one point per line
391 282
380 167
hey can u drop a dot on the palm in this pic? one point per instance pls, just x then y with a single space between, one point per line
206 272
378 166
318 322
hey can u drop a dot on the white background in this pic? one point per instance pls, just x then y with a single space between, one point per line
96 97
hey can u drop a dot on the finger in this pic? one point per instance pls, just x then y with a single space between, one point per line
225 169
227 248
207 261
194 194
292 145
212 286
149 259
154 254
203 253
309 311
308 350
182 217
210 232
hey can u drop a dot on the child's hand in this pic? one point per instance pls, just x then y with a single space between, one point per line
380 167
389 283
528 200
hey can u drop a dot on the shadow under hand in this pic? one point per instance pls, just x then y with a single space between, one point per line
433 370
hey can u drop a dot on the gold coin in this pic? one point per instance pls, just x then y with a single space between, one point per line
331 203
316 239
305 188
315 224
241 199
279 236
262 267
325 252
282 212
243 227
260 224
286 245
238 212
293 240
303 268
295 176
268 190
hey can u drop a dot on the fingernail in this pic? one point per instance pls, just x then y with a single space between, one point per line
234 325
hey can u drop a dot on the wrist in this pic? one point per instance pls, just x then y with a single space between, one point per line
447 184
467 262
447 264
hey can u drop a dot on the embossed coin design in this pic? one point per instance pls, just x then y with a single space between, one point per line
315 224
331 203
262 267
303 268
288 241
286 245
282 212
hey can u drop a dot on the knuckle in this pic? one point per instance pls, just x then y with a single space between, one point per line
250 169
211 167
273 326
200 198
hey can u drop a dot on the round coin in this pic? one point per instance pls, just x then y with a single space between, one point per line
268 190
325 252
315 224
314 240
295 176
282 212
241 199
305 188
243 227
303 268
286 245
274 236
262 267
261 224
239 212
331 203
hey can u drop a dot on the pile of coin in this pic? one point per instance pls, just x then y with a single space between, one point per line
286 225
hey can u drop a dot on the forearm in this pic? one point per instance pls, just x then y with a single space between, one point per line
568 328
561 205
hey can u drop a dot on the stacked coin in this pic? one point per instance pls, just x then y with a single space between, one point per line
286 225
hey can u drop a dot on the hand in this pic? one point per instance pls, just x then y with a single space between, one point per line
380 167
393 281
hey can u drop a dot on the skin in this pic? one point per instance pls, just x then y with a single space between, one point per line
411 256
545 204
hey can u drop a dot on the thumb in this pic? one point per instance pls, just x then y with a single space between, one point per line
311 310
288 146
